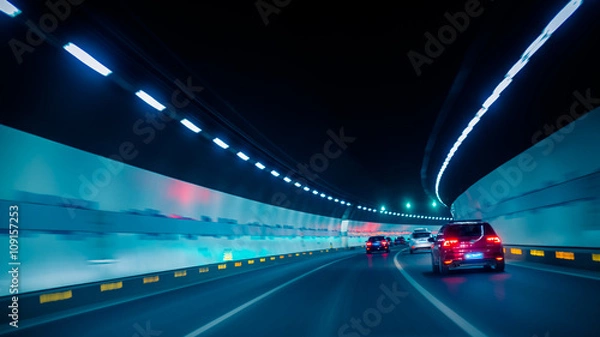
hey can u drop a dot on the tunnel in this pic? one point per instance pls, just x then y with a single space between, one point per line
287 168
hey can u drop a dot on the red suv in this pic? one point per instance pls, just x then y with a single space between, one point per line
466 244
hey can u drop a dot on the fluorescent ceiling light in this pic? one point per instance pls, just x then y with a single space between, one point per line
562 16
190 125
535 46
287 180
260 166
220 143
503 85
87 59
243 156
512 72
275 173
9 8
150 100
488 102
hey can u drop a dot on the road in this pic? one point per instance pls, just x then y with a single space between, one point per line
354 295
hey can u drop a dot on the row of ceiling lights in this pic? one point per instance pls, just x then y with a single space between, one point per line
97 66
554 24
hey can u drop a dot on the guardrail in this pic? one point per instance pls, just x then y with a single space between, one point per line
575 257
29 306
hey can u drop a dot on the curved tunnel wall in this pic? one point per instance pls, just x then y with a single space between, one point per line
85 218
549 195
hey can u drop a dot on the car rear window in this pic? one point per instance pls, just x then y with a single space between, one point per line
376 238
421 235
465 230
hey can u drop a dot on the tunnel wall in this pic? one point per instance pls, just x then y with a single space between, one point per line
549 195
84 218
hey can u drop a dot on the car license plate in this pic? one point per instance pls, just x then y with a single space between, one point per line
376 244
473 256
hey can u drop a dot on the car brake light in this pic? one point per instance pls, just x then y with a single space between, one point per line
493 239
369 243
450 242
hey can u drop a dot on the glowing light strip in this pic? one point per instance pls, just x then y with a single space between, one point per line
554 24
190 125
9 8
86 59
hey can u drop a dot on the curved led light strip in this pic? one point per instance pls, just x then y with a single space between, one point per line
554 24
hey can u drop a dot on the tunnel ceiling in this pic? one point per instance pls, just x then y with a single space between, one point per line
284 80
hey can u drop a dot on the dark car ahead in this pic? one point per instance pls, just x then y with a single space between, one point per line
466 244
377 244
400 240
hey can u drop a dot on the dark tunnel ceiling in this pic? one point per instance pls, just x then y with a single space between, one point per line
327 65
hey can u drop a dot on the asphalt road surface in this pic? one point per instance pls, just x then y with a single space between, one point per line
354 295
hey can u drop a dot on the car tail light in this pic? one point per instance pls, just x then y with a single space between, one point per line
385 243
493 239
499 258
369 243
450 242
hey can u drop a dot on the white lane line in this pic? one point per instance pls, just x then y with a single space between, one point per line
231 313
517 264
453 316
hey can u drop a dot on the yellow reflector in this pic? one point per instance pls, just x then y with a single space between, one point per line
203 270
310 253
181 273
504 250
250 261
151 279
111 286
565 255
297 254
56 296
327 251
596 257
272 258
516 251
263 260
222 266
535 252
238 264
281 256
